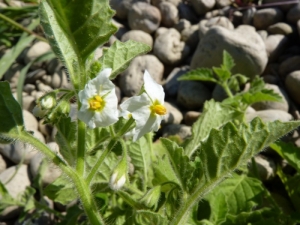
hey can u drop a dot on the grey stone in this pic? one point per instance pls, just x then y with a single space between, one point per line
43 87
3 164
30 122
289 65
292 83
172 84
248 15
284 105
28 88
182 25
270 115
271 79
203 6
173 116
169 14
293 15
263 34
191 117
20 152
37 49
122 7
15 180
180 130
264 167
223 3
190 36
53 65
12 75
186 12
139 36
143 16
52 172
28 102
59 80
275 46
121 29
192 94
280 28
131 80
221 21
169 49
243 44
298 27
219 93
263 18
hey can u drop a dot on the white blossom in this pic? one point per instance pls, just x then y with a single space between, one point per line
116 183
99 101
147 109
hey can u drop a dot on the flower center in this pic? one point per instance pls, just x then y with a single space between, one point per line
96 103
158 109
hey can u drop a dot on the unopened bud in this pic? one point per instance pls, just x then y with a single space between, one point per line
48 101
116 181
39 112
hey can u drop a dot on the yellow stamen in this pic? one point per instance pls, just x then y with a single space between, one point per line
96 103
158 109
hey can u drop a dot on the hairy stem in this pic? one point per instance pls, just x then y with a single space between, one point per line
80 147
19 26
95 168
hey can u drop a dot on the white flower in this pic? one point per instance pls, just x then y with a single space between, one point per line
38 111
99 101
116 183
48 102
146 109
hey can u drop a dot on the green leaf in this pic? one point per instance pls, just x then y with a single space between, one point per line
10 56
225 150
228 62
66 139
95 138
11 119
75 28
214 115
72 216
148 217
180 164
201 74
289 152
120 54
139 153
61 190
223 74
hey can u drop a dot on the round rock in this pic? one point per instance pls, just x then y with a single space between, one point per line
168 47
293 15
280 28
30 121
203 6
173 116
284 105
205 25
15 180
292 83
180 130
144 16
191 117
270 115
243 44
37 49
131 80
2 164
169 14
275 46
267 17
192 94
265 167
139 36
289 65
52 172
172 84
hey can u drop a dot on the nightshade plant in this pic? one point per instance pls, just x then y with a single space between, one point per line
110 163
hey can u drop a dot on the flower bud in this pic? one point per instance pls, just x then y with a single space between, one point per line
48 101
39 112
117 181
151 198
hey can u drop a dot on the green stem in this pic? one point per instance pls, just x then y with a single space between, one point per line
227 89
95 168
19 26
112 131
80 147
125 128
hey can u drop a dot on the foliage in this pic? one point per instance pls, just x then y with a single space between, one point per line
198 181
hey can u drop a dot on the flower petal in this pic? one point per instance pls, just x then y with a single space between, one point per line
134 103
102 82
153 89
151 124
87 117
